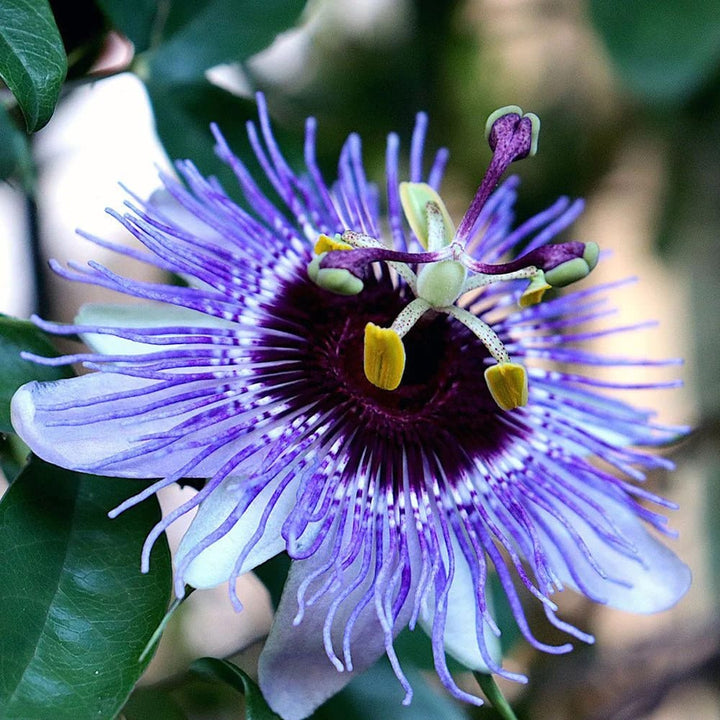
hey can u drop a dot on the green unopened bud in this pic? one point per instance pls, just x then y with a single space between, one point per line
591 254
337 280
567 272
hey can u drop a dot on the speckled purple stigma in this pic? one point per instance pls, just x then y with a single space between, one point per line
394 505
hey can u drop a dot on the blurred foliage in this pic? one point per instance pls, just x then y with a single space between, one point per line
665 51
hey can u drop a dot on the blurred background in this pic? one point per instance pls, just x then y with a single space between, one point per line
629 98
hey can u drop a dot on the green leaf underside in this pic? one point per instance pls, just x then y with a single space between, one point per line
77 612
226 672
16 336
32 58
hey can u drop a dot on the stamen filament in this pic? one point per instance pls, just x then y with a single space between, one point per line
487 336
409 315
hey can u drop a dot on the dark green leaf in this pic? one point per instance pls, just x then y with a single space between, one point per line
376 695
15 159
77 612
196 36
16 336
136 19
152 704
32 58
665 51
256 707
13 455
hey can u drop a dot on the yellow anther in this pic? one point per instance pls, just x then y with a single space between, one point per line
326 244
384 357
534 291
508 384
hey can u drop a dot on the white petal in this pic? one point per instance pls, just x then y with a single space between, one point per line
144 315
215 564
82 424
460 637
295 673
652 582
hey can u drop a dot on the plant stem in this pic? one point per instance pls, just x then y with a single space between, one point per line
495 696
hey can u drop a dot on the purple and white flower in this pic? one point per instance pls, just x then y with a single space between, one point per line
387 398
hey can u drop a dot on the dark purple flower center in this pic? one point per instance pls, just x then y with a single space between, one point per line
313 357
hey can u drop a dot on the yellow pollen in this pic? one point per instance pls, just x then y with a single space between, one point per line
508 384
384 357
326 244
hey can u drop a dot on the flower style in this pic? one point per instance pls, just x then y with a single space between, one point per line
393 404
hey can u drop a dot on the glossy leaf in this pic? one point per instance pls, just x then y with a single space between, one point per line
32 58
664 51
224 671
77 612
16 336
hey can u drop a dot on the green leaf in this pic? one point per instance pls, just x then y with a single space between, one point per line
77 612
197 36
15 158
376 695
136 19
665 51
32 58
13 456
152 703
16 336
256 707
